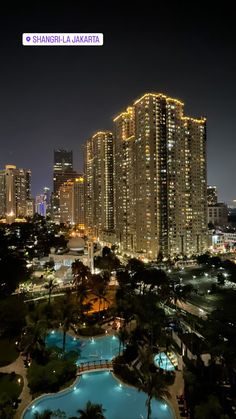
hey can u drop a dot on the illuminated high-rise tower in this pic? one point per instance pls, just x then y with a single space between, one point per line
160 178
71 195
99 193
124 170
2 194
17 192
62 171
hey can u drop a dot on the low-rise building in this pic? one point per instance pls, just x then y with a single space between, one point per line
218 214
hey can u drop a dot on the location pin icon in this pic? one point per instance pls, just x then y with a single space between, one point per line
28 38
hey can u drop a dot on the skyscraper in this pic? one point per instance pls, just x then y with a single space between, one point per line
124 170
99 193
40 205
160 178
15 192
2 194
71 195
62 171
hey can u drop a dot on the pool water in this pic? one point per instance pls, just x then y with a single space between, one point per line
162 361
89 349
118 400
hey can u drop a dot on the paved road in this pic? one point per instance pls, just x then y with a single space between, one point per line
192 309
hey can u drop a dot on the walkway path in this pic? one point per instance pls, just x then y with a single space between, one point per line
18 367
177 389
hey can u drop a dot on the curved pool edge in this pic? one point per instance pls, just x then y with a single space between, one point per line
168 402
78 377
78 336
64 390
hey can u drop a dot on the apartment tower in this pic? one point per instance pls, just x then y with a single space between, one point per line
99 193
160 179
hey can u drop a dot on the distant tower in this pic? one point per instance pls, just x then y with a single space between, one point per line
40 205
18 192
212 195
62 171
99 194
71 200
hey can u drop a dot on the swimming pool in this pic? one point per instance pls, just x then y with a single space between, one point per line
162 361
119 400
89 349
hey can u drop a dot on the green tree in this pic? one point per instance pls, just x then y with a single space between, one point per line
154 386
91 411
13 271
180 294
48 414
50 286
211 409
203 259
33 339
100 293
6 407
81 273
51 376
150 381
67 316
12 316
108 262
123 336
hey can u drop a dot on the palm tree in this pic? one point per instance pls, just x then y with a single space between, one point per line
82 293
123 337
108 262
180 293
150 381
48 414
100 296
67 317
33 338
50 286
153 384
81 273
91 411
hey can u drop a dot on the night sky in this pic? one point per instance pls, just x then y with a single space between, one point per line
56 97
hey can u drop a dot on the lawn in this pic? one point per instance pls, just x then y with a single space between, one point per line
11 384
8 352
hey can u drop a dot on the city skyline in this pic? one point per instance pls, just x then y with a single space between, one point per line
58 97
